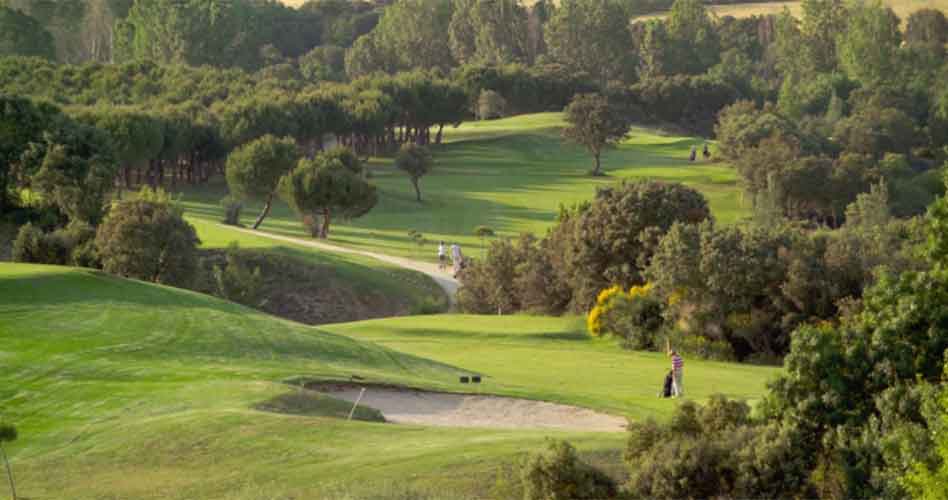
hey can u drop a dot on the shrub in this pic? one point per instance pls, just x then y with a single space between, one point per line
490 105
558 474
232 207
72 245
634 316
235 281
148 239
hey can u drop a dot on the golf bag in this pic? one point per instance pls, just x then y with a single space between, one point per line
667 387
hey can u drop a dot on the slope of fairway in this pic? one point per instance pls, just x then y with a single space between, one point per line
511 175
128 390
351 277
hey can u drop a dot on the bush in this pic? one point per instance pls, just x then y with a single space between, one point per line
235 281
72 245
558 474
232 207
490 105
634 316
148 239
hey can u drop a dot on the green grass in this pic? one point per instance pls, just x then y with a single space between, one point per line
554 360
510 175
362 274
128 390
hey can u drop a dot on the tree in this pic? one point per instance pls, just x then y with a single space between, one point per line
594 124
21 35
591 36
148 239
22 123
488 31
72 169
869 49
415 161
927 27
8 434
329 185
557 473
254 170
617 235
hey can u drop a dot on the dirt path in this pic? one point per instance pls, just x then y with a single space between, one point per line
444 279
411 406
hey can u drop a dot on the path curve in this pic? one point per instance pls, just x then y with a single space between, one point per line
444 279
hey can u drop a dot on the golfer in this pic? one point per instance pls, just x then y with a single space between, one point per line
442 257
678 374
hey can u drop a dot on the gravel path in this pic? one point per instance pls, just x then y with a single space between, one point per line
444 279
411 406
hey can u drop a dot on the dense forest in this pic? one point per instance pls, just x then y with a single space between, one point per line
837 123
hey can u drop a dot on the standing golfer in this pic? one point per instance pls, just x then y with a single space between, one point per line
442 257
678 367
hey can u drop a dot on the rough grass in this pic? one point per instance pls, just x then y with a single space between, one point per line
510 175
128 390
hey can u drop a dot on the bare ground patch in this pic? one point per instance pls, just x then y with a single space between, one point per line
413 406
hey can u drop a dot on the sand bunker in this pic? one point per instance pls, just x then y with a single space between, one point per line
410 406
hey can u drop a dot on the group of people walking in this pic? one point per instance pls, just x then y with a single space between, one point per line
457 258
704 152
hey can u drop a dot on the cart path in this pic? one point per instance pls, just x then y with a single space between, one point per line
444 279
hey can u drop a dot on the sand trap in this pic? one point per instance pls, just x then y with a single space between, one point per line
410 406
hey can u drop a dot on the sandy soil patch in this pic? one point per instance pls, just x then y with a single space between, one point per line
411 406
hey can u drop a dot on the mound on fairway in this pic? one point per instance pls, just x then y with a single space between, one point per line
413 406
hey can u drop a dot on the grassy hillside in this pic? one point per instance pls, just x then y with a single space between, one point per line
127 390
510 175
340 285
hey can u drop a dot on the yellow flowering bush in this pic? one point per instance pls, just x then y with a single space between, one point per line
634 316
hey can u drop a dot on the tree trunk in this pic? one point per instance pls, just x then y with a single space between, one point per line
9 472
414 183
438 136
597 170
266 211
324 230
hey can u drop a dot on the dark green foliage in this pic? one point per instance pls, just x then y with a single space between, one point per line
255 169
713 451
616 236
22 35
691 102
591 36
73 245
559 474
594 124
494 285
235 281
7 433
148 239
416 161
329 185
